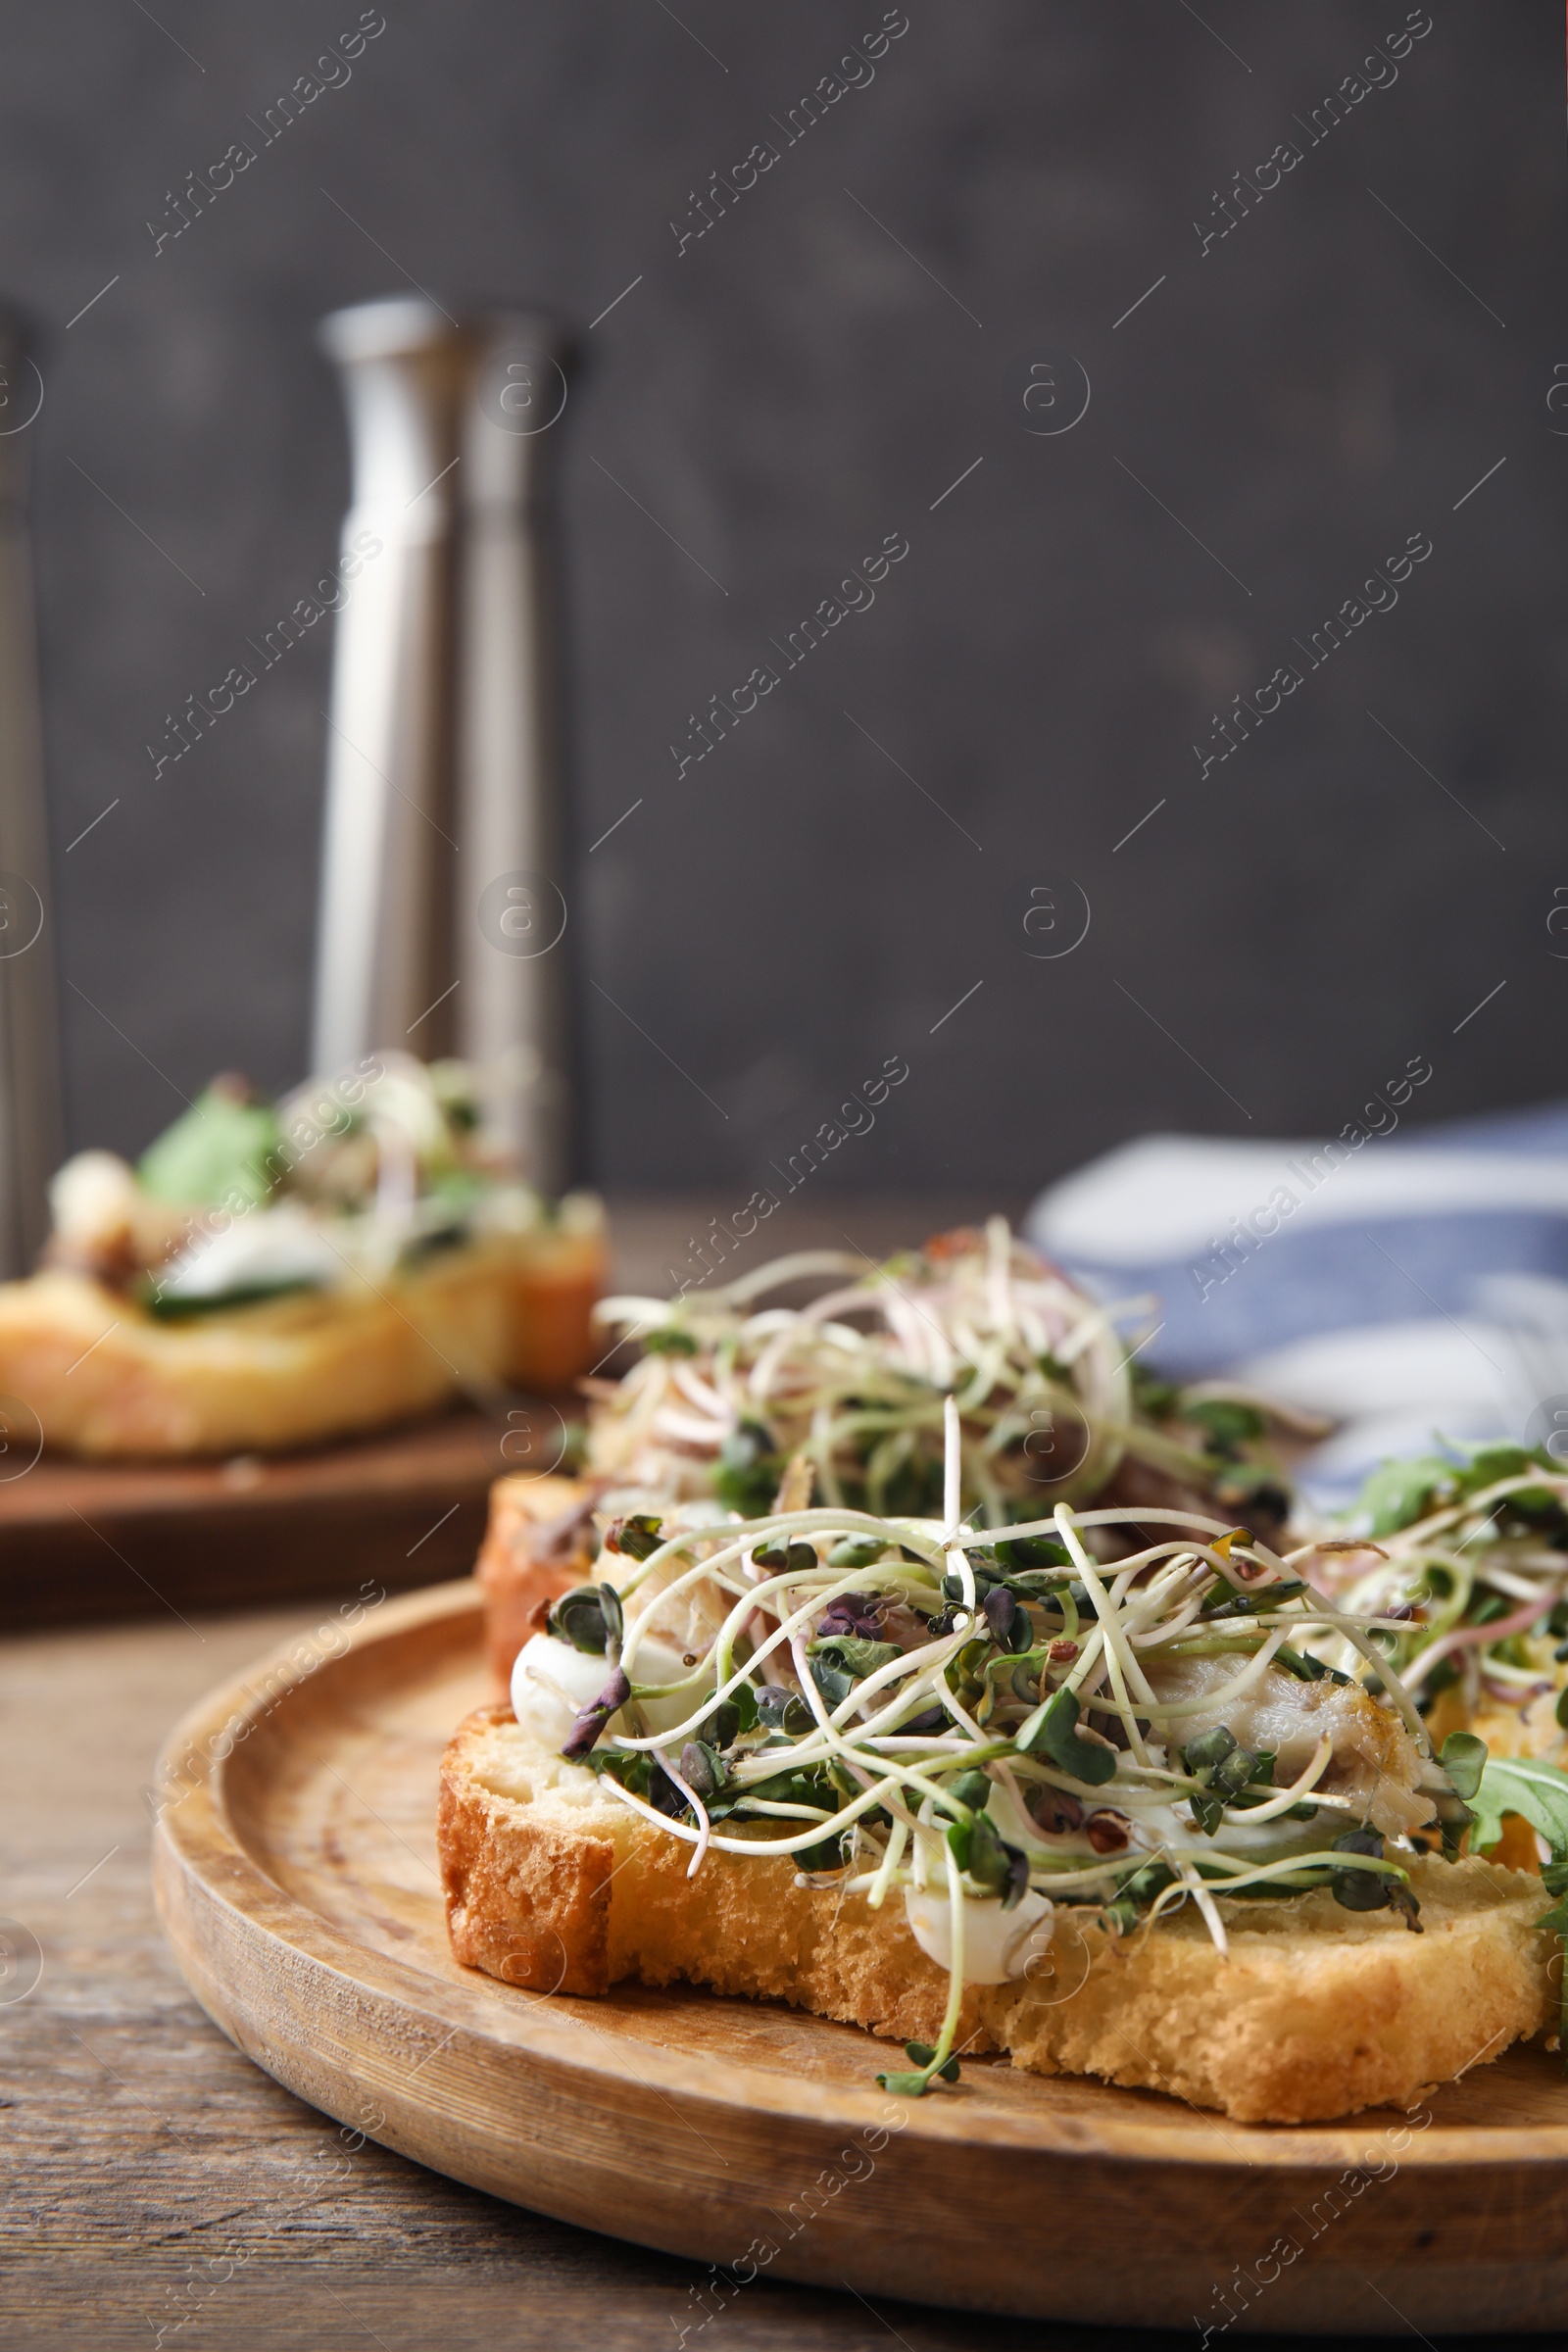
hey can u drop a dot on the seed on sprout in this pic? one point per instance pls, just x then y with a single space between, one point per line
1054 1810
637 1537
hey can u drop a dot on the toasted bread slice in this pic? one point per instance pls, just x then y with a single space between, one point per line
106 1379
554 1884
538 1542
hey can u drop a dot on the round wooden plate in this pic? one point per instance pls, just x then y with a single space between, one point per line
296 1872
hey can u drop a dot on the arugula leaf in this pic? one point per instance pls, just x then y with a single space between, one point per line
214 1151
1538 1794
1521 1785
1401 1492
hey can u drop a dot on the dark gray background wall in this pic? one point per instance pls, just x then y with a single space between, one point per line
852 337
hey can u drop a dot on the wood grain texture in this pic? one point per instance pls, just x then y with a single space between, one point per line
295 1865
152 2179
80 1541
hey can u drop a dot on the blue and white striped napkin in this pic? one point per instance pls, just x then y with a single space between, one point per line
1407 1286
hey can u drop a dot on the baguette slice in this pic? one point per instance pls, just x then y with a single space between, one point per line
554 1884
538 1543
108 1380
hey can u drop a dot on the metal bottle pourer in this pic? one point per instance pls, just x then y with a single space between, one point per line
442 913
30 1126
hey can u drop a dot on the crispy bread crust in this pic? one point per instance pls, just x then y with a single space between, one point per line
532 1910
537 1546
109 1380
1318 2012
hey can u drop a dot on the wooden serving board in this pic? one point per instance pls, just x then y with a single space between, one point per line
88 1540
296 1874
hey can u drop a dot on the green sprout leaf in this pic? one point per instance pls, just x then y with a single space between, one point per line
853 1553
737 1714
1538 1794
855 1655
669 1339
702 1768
970 1789
780 1709
1056 1738
834 1681
921 2054
749 1471
1209 1748
1032 1551
1464 1759
1360 1889
588 1618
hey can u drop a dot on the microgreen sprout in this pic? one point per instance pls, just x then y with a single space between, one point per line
1063 1718
1050 1400
1469 1574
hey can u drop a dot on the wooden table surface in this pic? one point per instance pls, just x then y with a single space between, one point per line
155 2188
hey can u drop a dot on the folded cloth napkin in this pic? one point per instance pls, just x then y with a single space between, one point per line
1407 1286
